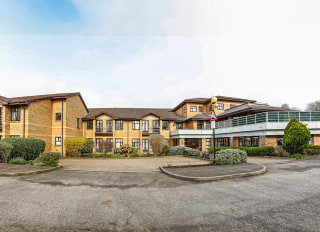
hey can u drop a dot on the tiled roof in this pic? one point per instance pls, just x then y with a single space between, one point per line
249 107
28 99
200 116
133 113
40 97
206 100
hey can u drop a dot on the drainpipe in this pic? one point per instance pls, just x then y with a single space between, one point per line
62 127
24 120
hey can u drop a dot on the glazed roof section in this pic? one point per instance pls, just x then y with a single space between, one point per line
249 107
200 100
133 113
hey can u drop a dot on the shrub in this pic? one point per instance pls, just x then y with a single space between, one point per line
18 160
76 144
127 149
27 148
88 147
312 150
176 150
156 142
50 158
165 149
280 151
5 149
296 136
192 152
134 155
231 157
251 151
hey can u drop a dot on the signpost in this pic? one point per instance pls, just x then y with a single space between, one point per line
213 126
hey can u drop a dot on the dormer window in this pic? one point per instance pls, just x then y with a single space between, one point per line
220 106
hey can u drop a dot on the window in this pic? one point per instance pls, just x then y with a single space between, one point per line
210 107
179 125
136 143
145 125
220 106
119 124
14 136
78 123
58 141
200 125
89 124
193 109
119 143
208 143
15 113
165 125
156 126
200 108
242 142
208 125
220 142
109 125
145 145
185 109
99 147
255 141
58 116
135 125
109 145
99 125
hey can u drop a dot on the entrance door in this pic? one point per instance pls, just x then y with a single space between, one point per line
193 143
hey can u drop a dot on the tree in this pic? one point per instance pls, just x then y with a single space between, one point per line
285 106
313 106
75 144
107 146
296 136
5 149
156 142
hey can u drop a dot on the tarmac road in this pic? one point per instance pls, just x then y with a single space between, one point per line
286 198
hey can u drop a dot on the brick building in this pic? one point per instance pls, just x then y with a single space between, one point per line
55 117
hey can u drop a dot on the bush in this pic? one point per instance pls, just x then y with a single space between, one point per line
176 150
165 149
296 137
50 158
18 160
251 151
27 148
280 151
156 142
76 144
88 147
312 150
231 157
107 146
127 149
180 150
5 149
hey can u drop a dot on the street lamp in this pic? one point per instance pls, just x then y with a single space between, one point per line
213 119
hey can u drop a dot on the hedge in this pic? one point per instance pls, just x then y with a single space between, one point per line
26 148
180 150
251 151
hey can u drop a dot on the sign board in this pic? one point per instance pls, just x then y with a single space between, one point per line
213 116
213 124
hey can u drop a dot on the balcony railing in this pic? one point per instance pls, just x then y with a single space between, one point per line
104 131
272 117
150 130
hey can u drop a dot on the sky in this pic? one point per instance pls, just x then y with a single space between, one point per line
150 53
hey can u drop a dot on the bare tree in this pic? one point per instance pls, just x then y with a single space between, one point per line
107 146
285 106
313 106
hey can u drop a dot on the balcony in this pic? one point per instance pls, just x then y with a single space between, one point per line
191 133
104 131
149 131
269 123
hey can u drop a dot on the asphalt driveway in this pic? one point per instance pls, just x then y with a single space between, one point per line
286 198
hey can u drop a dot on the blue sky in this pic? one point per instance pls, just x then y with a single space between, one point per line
148 53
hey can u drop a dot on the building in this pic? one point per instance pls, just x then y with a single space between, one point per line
55 117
